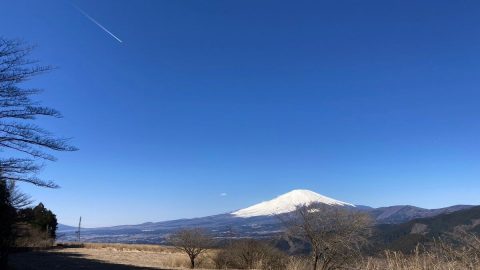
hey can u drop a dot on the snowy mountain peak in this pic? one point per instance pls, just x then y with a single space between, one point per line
287 203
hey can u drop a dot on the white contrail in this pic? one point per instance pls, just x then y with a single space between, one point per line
97 23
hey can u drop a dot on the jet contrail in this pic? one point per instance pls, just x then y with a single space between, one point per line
97 23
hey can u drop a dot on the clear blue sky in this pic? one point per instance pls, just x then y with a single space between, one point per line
370 102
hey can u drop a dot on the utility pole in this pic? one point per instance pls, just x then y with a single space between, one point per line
79 228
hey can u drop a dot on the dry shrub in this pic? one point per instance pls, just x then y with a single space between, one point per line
298 263
464 253
31 237
175 261
121 247
181 260
250 254
459 251
206 261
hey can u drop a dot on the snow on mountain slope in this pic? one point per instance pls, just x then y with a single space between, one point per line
287 203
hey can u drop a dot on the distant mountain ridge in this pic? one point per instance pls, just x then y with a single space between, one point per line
64 228
405 236
257 221
403 213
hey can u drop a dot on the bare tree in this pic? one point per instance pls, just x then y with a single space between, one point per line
18 199
191 241
17 111
26 143
250 254
334 234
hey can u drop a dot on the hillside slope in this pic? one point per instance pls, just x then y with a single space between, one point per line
405 236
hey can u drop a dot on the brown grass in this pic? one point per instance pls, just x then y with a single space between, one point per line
439 257
120 247
155 256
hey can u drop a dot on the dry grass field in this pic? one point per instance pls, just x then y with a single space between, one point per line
106 257
144 257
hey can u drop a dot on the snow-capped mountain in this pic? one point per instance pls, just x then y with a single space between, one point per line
287 203
256 221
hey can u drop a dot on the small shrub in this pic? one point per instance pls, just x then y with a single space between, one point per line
250 254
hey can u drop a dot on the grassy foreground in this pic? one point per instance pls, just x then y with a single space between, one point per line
142 257
105 257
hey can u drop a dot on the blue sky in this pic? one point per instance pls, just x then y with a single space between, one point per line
370 102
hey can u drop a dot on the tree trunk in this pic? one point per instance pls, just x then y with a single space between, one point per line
192 262
315 262
7 215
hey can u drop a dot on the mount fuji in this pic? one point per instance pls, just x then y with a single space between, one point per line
257 221
287 203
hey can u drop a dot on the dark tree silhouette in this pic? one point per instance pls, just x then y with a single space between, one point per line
7 218
26 143
191 241
18 199
17 112
41 218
